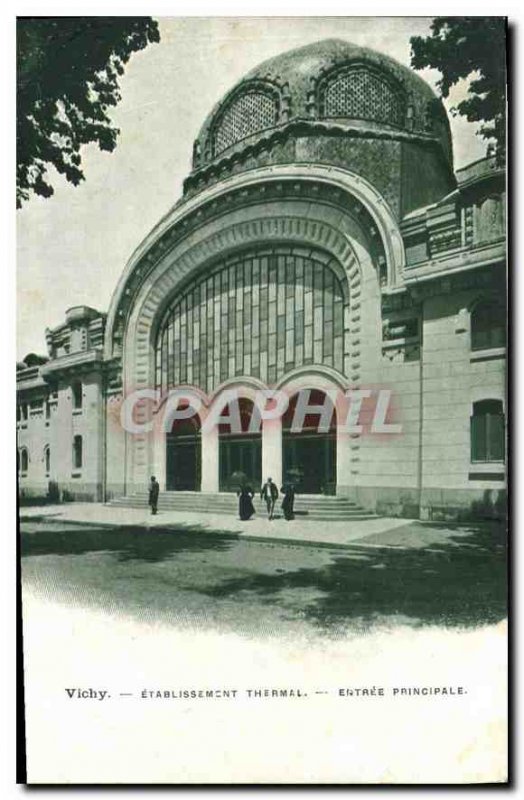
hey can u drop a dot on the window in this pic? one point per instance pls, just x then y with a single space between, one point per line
24 460
488 326
47 459
251 112
47 410
487 431
261 313
357 92
76 389
77 452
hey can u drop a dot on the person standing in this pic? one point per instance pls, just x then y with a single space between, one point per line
246 509
288 503
154 490
269 493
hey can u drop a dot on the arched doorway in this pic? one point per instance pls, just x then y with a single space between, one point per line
310 456
183 455
240 450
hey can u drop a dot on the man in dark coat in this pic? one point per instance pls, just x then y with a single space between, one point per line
154 489
269 493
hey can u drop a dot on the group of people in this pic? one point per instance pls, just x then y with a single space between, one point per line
246 509
269 493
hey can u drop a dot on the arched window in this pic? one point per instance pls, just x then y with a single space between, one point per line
487 431
77 452
488 326
24 460
358 92
253 111
76 389
260 313
47 459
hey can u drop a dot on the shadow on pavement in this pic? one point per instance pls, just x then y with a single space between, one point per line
125 543
460 580
460 583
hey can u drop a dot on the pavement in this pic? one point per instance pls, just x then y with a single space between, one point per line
378 532
319 533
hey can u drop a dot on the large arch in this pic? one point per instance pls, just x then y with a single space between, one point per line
341 180
334 229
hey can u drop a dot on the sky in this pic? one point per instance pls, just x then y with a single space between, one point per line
72 247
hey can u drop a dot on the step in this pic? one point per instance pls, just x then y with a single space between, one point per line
180 498
306 512
318 516
232 504
307 507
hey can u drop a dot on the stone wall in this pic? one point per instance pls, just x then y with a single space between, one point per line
58 433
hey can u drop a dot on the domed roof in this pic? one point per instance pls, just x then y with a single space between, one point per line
327 82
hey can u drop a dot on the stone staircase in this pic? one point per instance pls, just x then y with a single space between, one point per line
307 507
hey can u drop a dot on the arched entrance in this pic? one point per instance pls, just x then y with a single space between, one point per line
183 456
239 451
309 457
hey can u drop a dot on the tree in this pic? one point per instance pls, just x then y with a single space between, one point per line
67 80
474 48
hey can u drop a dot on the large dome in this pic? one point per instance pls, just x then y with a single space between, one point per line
331 86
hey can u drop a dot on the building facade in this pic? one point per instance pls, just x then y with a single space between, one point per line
325 243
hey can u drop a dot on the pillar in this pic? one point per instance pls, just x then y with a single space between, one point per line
344 477
272 450
158 461
210 460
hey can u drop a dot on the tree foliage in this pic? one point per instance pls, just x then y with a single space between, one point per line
474 48
68 70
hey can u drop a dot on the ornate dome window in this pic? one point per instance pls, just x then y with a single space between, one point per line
254 110
358 92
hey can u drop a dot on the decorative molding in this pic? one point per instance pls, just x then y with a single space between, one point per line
73 364
329 185
269 139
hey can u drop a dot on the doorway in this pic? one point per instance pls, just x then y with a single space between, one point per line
239 452
183 456
310 457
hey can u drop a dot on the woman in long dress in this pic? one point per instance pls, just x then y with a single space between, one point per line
246 509
288 503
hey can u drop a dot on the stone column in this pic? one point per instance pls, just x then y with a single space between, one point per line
158 460
344 478
272 451
210 460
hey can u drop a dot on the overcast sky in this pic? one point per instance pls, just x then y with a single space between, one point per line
73 246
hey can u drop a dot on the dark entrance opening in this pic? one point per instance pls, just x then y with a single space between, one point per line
309 456
239 452
183 456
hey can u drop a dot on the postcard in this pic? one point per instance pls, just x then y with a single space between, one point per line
261 400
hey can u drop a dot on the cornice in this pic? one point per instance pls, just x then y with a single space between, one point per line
459 261
74 363
263 141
